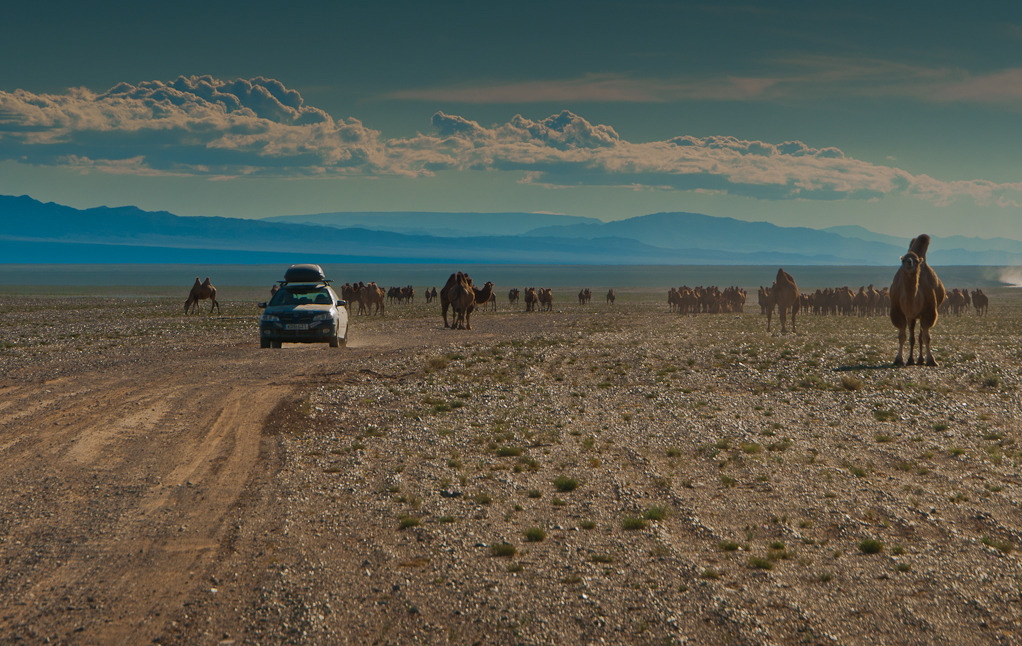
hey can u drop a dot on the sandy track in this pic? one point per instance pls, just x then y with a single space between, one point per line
120 481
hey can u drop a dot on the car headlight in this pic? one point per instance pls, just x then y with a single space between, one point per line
319 318
269 318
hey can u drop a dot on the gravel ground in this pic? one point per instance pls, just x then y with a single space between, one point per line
598 474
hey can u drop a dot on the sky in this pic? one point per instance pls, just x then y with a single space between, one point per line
898 117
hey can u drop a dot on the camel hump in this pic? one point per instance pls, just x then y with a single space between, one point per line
206 282
919 245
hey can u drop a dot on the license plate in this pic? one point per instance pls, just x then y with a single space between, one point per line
296 326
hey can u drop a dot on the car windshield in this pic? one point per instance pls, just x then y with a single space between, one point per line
301 295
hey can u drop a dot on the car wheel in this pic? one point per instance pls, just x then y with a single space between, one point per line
264 343
275 344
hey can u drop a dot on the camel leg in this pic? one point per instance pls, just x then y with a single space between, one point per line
924 340
793 310
900 359
912 343
784 321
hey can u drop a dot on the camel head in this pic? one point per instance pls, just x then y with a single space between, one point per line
910 262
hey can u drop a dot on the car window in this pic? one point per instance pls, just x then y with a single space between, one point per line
301 295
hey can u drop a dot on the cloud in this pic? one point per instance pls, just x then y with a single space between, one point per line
194 125
258 127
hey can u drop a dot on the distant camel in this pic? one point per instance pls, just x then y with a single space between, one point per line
464 298
200 292
372 297
512 296
531 299
611 297
448 292
916 295
980 301
784 295
546 298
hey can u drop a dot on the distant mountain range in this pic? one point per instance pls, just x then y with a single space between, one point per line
36 232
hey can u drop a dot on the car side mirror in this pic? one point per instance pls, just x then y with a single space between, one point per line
342 303
262 305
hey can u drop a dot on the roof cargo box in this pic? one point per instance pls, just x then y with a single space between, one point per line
304 274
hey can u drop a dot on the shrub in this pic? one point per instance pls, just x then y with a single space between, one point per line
407 521
564 483
503 550
871 546
633 523
535 534
657 512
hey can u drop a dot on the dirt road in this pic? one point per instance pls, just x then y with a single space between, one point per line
121 481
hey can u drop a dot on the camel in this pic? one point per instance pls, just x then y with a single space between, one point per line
546 298
531 299
784 295
980 301
916 295
512 296
370 296
201 291
464 298
611 297
447 292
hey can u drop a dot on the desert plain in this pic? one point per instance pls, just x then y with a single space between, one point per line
599 474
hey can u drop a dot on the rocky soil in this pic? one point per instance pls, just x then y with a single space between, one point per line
599 474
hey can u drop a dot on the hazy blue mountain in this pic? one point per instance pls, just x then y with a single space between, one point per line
34 232
678 230
447 225
962 243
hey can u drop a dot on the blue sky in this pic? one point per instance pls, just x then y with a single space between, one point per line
900 118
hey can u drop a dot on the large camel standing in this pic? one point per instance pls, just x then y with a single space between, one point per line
784 295
916 295
201 291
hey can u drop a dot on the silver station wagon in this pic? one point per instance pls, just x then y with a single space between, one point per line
303 309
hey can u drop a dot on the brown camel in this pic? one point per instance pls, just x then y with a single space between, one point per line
372 296
513 295
611 297
784 295
980 301
531 299
464 298
200 292
916 295
447 292
546 298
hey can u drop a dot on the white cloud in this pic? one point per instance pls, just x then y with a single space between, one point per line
209 127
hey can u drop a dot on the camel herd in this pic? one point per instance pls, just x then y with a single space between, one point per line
916 295
705 300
